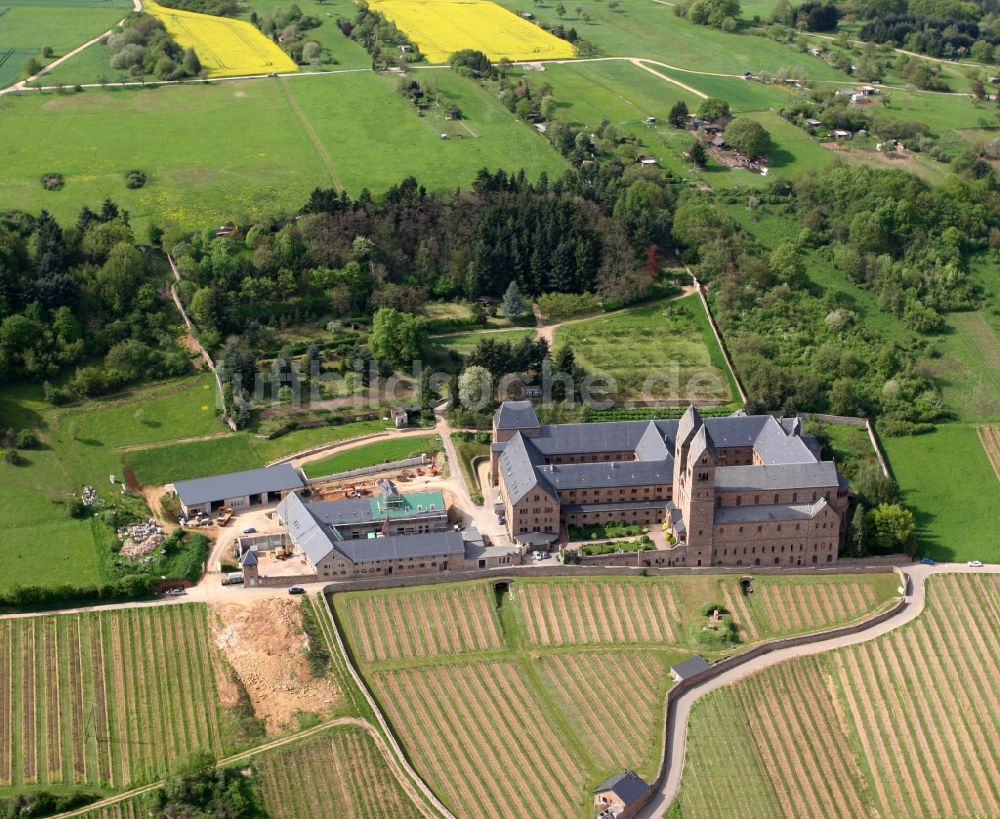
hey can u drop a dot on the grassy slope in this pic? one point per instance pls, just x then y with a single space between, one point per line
376 453
198 174
631 345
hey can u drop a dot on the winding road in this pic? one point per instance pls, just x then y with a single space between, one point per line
673 764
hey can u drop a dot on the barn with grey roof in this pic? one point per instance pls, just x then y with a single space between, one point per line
238 490
698 478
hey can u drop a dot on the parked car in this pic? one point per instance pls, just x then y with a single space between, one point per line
927 561
976 564
175 592
249 530
296 590
537 555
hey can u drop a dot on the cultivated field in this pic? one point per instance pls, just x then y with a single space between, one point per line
371 454
108 699
989 437
609 611
335 773
441 27
457 716
617 611
902 726
436 621
226 47
670 344
573 672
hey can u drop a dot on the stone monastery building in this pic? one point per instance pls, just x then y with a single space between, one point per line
746 490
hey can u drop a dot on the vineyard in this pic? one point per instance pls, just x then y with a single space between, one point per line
438 621
989 437
336 773
572 672
107 699
557 613
904 725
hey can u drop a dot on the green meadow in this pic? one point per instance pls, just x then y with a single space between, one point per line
394 449
28 27
199 174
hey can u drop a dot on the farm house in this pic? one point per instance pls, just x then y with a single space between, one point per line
621 796
237 490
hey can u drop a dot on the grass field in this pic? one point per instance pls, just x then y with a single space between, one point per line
901 726
87 443
442 27
339 772
226 47
371 454
582 663
669 345
946 478
28 27
108 700
465 343
349 129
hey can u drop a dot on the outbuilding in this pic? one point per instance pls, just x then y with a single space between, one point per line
689 668
621 796
238 490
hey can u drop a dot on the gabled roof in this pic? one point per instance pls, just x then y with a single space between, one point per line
518 463
607 474
815 475
701 444
515 415
652 445
689 668
690 421
249 558
627 786
278 478
318 539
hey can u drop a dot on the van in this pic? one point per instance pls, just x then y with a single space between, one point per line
232 578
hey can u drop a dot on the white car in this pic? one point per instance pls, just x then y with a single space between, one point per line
540 555
976 564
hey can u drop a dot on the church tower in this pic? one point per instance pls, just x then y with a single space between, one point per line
694 485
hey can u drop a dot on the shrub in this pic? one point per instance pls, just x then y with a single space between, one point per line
708 608
135 179
53 181
76 508
12 457
26 439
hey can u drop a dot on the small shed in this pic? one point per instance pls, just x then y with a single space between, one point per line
688 668
812 122
620 796
840 133
642 159
399 417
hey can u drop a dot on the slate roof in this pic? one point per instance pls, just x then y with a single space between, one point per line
769 512
401 547
815 475
515 415
517 464
238 484
689 668
249 558
701 444
317 540
611 506
627 786
654 445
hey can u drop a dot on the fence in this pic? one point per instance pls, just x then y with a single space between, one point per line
371 470
194 337
718 338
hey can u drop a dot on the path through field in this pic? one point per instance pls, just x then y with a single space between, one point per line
324 155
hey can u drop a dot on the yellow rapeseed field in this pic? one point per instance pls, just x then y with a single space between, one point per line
439 28
226 48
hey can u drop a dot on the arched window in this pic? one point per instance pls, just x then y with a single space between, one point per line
739 500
